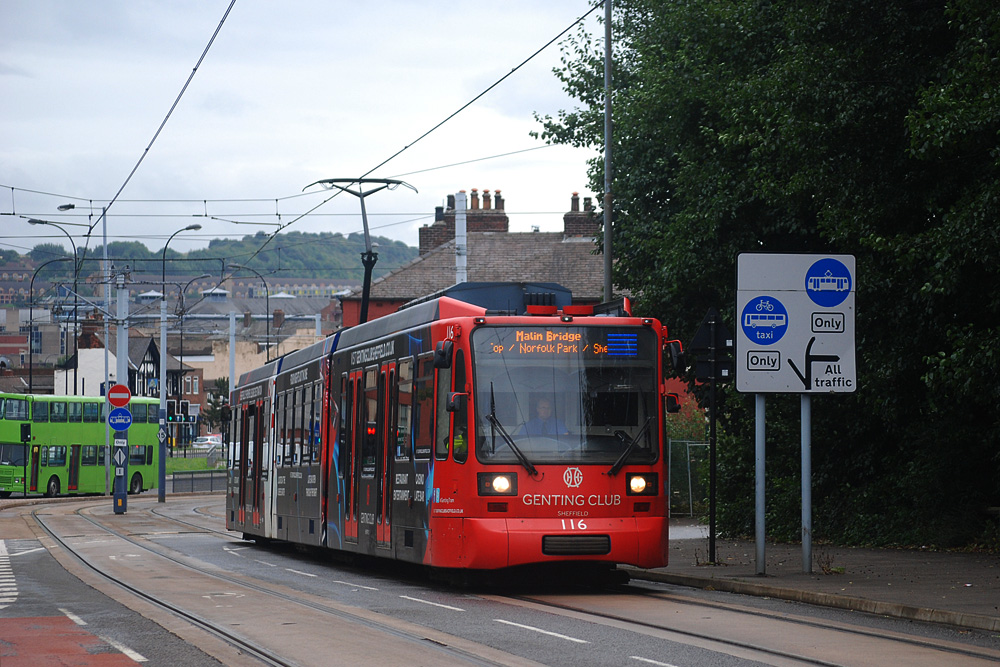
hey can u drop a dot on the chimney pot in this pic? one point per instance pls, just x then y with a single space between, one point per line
497 200
486 199
575 202
438 213
475 199
451 202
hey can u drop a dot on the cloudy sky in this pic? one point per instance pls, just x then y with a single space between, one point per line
289 93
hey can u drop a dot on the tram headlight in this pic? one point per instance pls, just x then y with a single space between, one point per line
497 483
642 484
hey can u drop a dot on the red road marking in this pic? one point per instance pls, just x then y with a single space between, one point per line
54 640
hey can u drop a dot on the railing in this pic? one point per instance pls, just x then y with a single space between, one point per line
200 481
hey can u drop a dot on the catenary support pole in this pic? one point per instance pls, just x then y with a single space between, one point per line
806 409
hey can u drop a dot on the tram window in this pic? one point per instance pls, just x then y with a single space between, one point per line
40 411
314 423
404 407
369 424
460 448
76 412
90 412
57 412
344 433
88 455
57 456
16 408
237 438
423 408
443 434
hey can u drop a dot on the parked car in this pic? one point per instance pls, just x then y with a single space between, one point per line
207 441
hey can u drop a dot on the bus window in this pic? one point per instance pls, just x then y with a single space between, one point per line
137 455
57 412
138 411
12 455
76 412
90 412
16 408
40 411
57 455
404 408
89 455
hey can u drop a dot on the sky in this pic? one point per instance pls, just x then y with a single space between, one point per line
289 93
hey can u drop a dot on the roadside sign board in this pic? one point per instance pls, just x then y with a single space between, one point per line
119 396
796 323
120 419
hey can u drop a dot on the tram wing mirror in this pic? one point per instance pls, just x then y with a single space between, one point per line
675 352
456 400
672 403
443 353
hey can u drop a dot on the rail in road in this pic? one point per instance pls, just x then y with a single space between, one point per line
285 607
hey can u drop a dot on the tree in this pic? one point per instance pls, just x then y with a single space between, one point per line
868 128
216 400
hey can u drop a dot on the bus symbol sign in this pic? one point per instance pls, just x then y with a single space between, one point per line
120 419
764 320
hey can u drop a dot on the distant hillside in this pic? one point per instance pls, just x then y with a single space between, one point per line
325 256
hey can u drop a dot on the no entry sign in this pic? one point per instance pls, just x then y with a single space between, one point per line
119 396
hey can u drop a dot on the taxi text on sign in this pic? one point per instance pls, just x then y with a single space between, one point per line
795 331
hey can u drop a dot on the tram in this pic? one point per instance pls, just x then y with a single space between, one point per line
456 437
56 444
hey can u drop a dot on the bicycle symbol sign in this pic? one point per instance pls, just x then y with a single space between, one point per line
764 320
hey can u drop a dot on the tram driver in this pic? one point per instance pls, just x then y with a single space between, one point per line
545 422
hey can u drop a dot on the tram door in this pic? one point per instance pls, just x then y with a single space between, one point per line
387 444
354 421
73 477
371 470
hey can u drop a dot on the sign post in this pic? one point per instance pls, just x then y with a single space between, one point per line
795 335
120 418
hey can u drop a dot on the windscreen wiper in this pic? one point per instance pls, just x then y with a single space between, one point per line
631 443
510 443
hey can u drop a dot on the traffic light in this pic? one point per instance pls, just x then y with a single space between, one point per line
171 410
182 415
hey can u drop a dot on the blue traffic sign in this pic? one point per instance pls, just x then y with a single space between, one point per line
120 419
828 282
764 320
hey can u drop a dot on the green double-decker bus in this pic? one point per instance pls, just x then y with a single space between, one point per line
55 445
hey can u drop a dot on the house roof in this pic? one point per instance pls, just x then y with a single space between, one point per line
501 257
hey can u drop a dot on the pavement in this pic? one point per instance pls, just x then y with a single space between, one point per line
955 588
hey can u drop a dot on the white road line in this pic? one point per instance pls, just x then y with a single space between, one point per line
348 583
652 662
304 574
73 617
29 551
136 657
435 604
263 562
544 632
3 548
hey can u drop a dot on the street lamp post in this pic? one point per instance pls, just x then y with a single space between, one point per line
76 300
161 491
267 307
31 320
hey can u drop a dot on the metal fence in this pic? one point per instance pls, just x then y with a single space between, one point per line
201 481
687 483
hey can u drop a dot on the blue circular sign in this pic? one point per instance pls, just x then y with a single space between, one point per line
120 419
764 320
828 282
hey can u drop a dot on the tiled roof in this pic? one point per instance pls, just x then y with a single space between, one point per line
501 257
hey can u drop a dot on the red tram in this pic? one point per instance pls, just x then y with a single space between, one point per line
448 435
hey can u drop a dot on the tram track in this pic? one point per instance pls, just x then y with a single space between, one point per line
446 649
637 607
849 634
